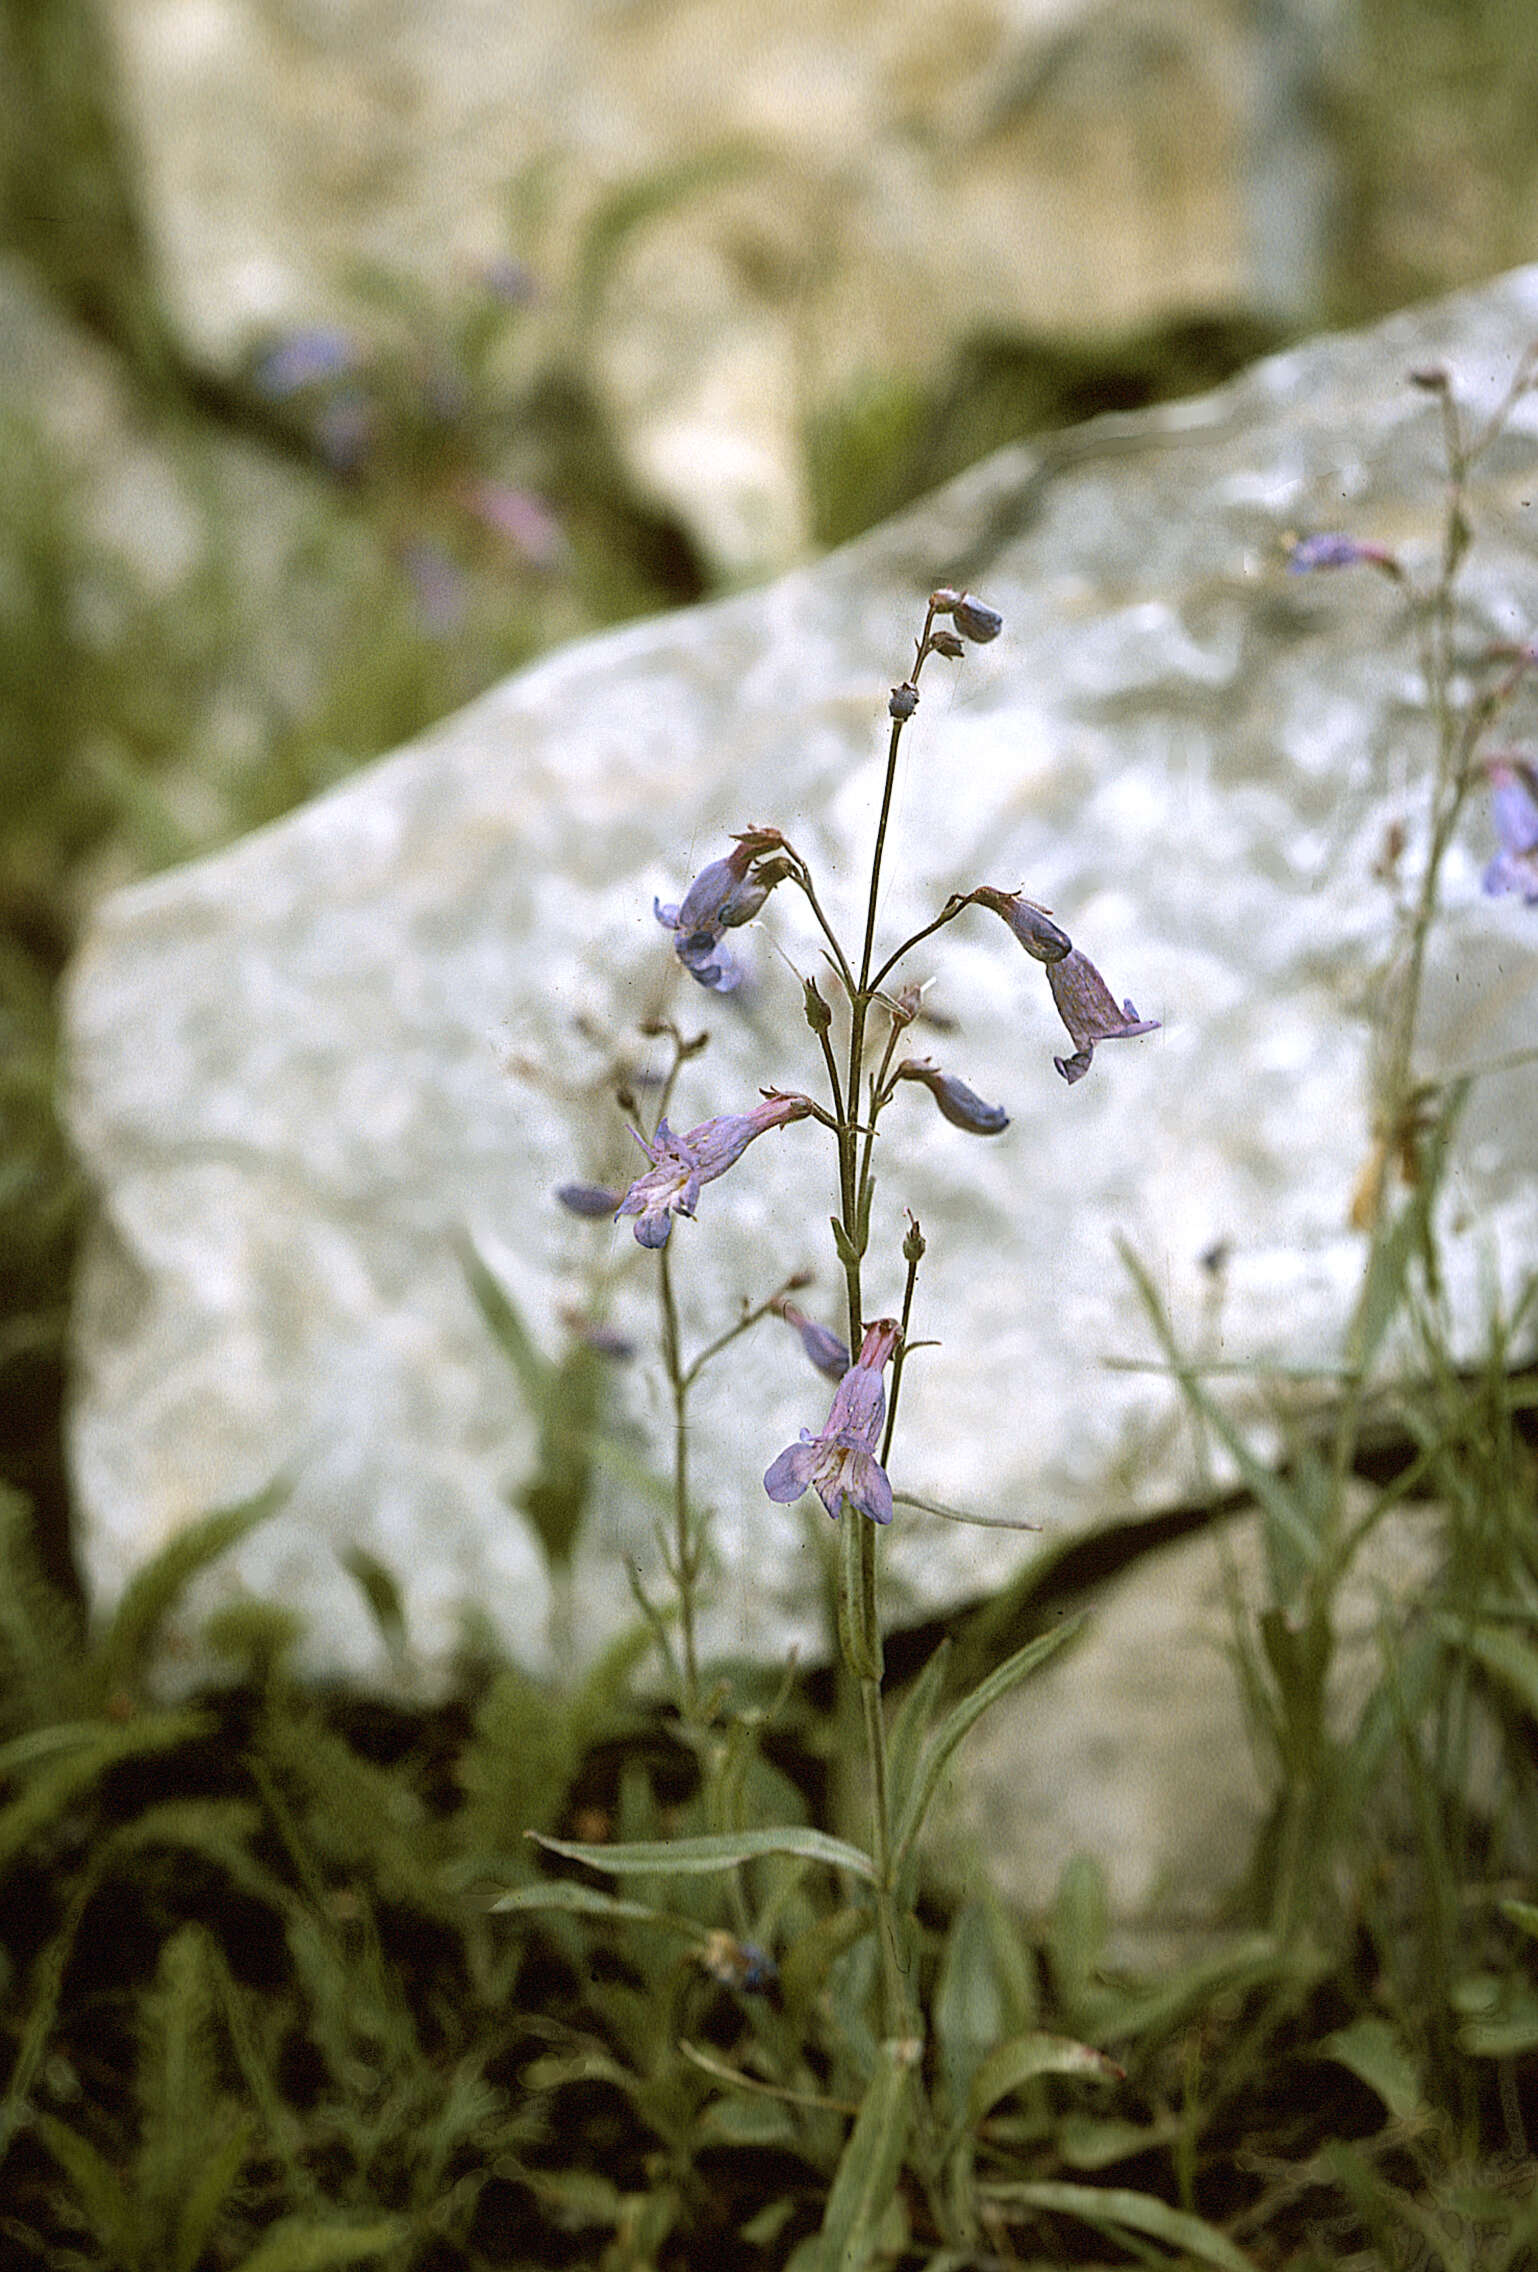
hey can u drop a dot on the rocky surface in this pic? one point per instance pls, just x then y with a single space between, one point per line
736 218
304 1071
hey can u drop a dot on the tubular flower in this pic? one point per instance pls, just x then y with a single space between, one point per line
1032 925
722 896
594 1200
840 1463
681 1164
1514 809
1088 1009
973 618
821 1343
1332 548
958 1104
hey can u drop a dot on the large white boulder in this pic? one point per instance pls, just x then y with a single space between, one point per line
303 1070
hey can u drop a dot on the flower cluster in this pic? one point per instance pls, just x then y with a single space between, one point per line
842 1461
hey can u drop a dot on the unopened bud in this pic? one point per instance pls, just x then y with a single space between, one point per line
913 1243
818 1016
904 701
976 621
945 642
591 1200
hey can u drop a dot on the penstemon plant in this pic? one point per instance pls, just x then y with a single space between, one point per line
860 1011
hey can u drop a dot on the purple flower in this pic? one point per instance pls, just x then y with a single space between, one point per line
840 1464
820 1342
436 584
592 1200
523 520
1332 548
958 1104
305 359
681 1164
1514 809
1032 925
1088 1009
972 617
721 897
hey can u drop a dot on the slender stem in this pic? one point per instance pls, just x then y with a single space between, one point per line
953 907
685 1555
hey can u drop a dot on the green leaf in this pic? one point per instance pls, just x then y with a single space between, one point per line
576 1900
299 2245
965 1717
49 1793
1270 1491
911 1726
1512 1659
848 1253
153 1591
691 1857
109 2209
1522 1914
211 2185
870 2165
1019 2062
1114 2209
1389 1264
377 1585
507 1328
1373 2053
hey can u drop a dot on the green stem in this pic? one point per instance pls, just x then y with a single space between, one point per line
685 1556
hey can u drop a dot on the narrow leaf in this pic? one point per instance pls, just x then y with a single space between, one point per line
1113 2208
110 2211
153 1591
1373 2052
691 1857
966 1716
575 1900
1021 2061
870 2165
507 1328
301 2246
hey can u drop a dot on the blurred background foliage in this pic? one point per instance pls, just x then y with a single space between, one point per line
260 2024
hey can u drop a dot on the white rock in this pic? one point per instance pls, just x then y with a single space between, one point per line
289 1063
736 216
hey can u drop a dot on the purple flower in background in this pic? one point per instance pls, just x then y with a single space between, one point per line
840 1463
820 1342
436 584
518 516
721 897
509 281
1332 548
958 1104
681 1164
1514 809
1032 925
305 359
1088 1009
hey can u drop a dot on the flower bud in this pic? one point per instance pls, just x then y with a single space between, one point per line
958 1104
818 1016
976 621
1032 925
913 1243
591 1200
905 700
